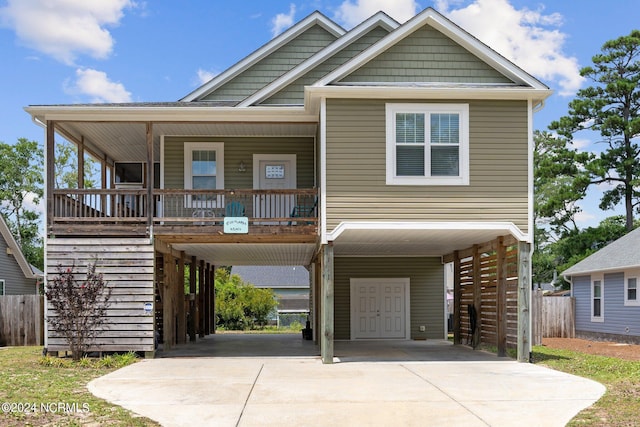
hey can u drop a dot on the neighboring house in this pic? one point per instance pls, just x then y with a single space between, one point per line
17 276
289 283
370 156
606 289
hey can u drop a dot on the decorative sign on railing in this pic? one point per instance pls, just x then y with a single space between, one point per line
236 225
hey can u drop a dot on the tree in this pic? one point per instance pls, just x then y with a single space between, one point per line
240 305
21 188
80 307
66 167
612 108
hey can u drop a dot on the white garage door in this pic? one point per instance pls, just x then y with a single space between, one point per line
379 308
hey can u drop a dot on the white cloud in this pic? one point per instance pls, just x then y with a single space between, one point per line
581 143
204 76
64 29
351 13
97 85
585 218
527 37
283 20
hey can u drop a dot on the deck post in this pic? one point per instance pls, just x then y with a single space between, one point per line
81 162
501 297
207 299
524 301
476 338
192 303
182 318
149 178
213 298
457 296
326 339
201 299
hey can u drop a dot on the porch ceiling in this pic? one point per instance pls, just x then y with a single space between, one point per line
411 242
250 253
126 141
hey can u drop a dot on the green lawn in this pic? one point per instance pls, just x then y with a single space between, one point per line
620 405
37 390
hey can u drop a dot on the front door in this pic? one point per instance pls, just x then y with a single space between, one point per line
274 172
379 308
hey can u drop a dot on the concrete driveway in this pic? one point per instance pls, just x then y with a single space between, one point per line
275 380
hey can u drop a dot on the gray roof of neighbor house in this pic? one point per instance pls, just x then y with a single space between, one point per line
26 268
617 255
273 276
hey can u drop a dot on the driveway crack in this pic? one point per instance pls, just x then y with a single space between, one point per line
249 395
445 393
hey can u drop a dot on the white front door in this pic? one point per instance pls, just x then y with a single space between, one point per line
379 308
274 172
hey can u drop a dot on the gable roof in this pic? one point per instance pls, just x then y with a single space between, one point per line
316 18
16 251
379 19
618 255
437 21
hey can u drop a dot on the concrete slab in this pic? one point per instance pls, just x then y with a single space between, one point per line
407 383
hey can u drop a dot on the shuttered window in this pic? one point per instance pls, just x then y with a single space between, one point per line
427 144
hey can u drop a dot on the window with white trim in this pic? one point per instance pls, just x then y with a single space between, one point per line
427 144
597 300
1 287
203 170
631 296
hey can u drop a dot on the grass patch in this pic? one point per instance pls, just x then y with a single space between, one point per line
620 405
55 390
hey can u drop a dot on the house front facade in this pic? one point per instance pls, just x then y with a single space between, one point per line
605 288
372 157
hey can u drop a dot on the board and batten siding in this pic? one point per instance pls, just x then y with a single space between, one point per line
427 299
273 66
238 149
617 316
427 55
356 168
15 282
127 265
293 94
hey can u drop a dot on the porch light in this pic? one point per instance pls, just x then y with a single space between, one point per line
242 167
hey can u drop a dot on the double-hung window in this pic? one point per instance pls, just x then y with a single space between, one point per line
631 296
427 144
597 299
203 170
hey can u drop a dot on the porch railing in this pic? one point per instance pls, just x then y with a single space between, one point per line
184 207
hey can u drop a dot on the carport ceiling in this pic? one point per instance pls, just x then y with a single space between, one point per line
249 254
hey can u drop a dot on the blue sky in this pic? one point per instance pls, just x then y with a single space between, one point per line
79 51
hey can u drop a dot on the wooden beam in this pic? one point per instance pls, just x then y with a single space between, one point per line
50 171
201 301
501 297
213 299
81 163
207 299
182 316
524 301
327 333
477 297
167 305
192 303
457 297
150 202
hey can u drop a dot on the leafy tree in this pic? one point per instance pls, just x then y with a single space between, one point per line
66 167
240 305
612 108
80 306
21 188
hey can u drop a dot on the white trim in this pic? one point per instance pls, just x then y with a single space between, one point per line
404 281
344 226
162 161
530 190
427 109
439 22
631 275
279 41
597 278
323 172
291 158
218 147
379 19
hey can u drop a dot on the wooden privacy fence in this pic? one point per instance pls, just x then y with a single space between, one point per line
21 320
552 317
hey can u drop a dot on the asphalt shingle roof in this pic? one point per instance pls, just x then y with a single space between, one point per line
617 255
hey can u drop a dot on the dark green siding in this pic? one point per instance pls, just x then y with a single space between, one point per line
273 66
427 56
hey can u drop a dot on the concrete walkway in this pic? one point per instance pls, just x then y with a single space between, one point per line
400 383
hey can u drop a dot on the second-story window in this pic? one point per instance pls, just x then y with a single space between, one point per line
427 144
203 170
